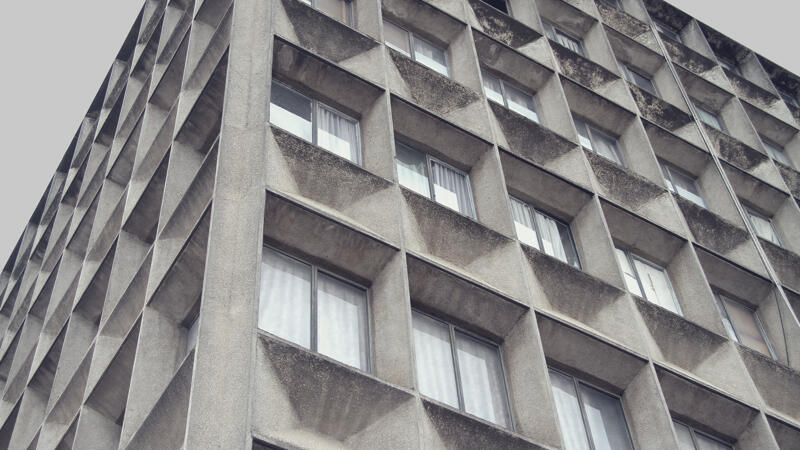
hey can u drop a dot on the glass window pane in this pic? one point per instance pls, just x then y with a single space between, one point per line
706 443
291 111
685 441
342 321
521 103
338 134
747 329
667 176
412 170
191 335
630 277
569 42
643 82
430 55
482 381
655 282
583 133
523 222
334 8
668 31
551 237
725 319
686 187
605 145
284 307
396 38
568 245
491 85
709 118
569 412
433 355
764 228
777 153
451 189
606 420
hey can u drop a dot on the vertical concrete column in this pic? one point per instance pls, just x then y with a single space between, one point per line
219 406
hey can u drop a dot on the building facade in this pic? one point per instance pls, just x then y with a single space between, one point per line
415 224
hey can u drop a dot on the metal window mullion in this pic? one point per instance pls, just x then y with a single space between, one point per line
411 51
509 411
429 166
536 228
314 319
456 370
763 334
631 261
314 121
503 92
585 420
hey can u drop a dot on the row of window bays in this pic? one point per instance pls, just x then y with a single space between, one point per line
432 177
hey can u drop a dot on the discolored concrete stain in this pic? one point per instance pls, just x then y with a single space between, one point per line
529 139
687 58
580 69
627 24
659 111
750 91
785 262
791 177
710 229
430 89
501 26
734 151
623 185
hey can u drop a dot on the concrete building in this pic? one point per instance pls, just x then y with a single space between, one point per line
415 224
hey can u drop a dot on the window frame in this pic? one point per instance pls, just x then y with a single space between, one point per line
577 383
627 73
616 4
412 37
532 211
788 98
315 269
721 297
508 7
772 148
453 329
668 31
693 430
485 72
552 28
731 64
351 19
429 175
702 107
667 170
632 257
315 104
591 130
752 212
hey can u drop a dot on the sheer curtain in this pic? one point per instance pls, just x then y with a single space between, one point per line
451 188
434 359
606 420
341 321
491 85
285 304
338 134
482 380
412 170
290 110
521 102
430 55
747 329
606 147
569 412
630 277
551 237
656 285
523 222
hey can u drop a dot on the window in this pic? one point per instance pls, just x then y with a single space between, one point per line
648 280
447 185
589 417
416 48
729 64
764 227
565 39
501 5
341 10
682 184
460 370
637 78
668 31
776 152
743 324
789 98
191 335
303 304
315 122
709 118
501 92
691 439
597 141
544 233
613 3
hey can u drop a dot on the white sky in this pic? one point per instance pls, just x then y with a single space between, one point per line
56 54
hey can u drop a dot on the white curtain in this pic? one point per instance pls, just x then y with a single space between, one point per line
291 111
412 170
763 228
551 237
523 222
583 133
606 147
656 285
491 85
606 420
569 412
451 188
434 360
521 103
569 42
341 321
338 134
748 332
430 55
482 380
630 277
285 304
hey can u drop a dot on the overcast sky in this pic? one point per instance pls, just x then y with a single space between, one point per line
56 54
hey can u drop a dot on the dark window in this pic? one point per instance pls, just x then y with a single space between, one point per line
499 4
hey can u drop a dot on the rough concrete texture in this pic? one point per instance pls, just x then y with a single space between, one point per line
658 111
627 25
582 70
785 262
529 139
734 151
710 229
623 185
688 58
791 177
778 385
501 26
751 92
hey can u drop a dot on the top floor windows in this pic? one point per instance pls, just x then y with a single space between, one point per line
729 64
591 138
764 227
682 184
544 233
709 118
743 324
315 122
789 98
500 91
567 40
416 48
637 78
501 5
776 152
341 10
691 439
434 179
668 31
648 280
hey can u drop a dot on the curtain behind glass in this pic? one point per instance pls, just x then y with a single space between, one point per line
551 237
491 85
334 8
337 134
656 285
569 412
285 304
430 55
746 326
630 277
605 146
569 42
342 321
583 133
482 381
686 187
523 222
763 228
412 170
396 38
521 103
606 420
291 111
433 355
451 188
